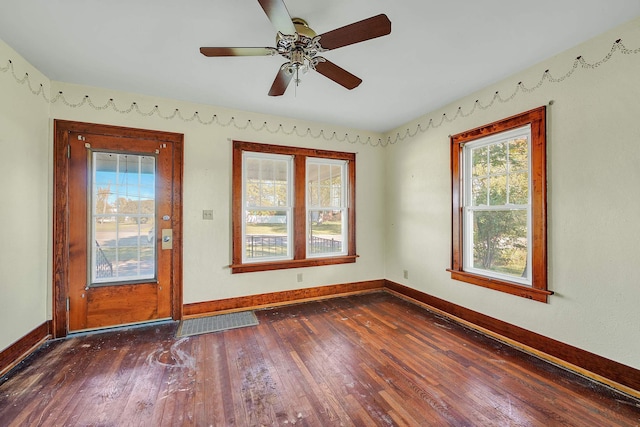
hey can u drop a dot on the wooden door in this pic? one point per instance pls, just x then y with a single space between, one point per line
122 225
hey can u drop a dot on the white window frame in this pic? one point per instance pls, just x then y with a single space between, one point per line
343 207
288 209
470 209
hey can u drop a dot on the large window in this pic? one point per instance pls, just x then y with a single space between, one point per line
292 207
499 206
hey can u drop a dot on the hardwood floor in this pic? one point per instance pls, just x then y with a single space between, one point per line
367 360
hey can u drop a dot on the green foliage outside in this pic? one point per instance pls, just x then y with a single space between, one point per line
500 242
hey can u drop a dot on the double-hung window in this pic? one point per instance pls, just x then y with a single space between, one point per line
267 196
499 206
292 207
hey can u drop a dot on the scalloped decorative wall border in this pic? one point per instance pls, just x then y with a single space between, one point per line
214 119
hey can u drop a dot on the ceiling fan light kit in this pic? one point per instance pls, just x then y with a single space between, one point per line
301 46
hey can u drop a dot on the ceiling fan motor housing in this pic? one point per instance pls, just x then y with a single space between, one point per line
300 48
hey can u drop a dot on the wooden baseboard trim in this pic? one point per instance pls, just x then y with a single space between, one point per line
251 302
22 348
613 374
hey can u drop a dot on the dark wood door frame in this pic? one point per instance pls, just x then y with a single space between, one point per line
62 129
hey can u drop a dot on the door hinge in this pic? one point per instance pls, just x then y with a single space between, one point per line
67 303
68 151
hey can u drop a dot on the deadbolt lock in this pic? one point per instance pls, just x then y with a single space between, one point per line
167 238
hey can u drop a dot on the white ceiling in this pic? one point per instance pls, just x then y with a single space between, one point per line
436 53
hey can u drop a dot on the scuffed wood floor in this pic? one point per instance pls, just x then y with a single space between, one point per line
368 360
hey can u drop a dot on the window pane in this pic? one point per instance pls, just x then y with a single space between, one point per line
252 181
500 241
479 191
325 184
253 192
518 155
104 248
480 162
313 192
325 232
134 261
519 188
266 234
266 182
123 212
498 190
498 158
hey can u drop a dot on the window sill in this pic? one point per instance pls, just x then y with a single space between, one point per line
501 285
282 265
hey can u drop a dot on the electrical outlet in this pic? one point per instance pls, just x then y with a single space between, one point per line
207 214
405 273
299 277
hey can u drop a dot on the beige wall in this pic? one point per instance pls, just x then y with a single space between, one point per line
593 200
25 202
26 195
403 196
207 185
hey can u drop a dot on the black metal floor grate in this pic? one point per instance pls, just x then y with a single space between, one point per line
221 322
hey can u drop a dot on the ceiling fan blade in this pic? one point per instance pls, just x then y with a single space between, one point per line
278 15
279 86
237 51
367 29
338 75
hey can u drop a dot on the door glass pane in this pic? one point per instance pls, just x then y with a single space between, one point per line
122 218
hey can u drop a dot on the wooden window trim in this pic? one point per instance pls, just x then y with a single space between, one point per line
538 291
299 210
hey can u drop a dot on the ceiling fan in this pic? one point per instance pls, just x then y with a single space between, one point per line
300 45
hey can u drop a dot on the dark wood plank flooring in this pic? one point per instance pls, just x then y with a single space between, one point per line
367 360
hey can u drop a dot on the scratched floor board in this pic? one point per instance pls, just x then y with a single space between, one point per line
367 360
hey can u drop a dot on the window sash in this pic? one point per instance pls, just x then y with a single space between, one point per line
328 243
471 209
267 247
469 247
